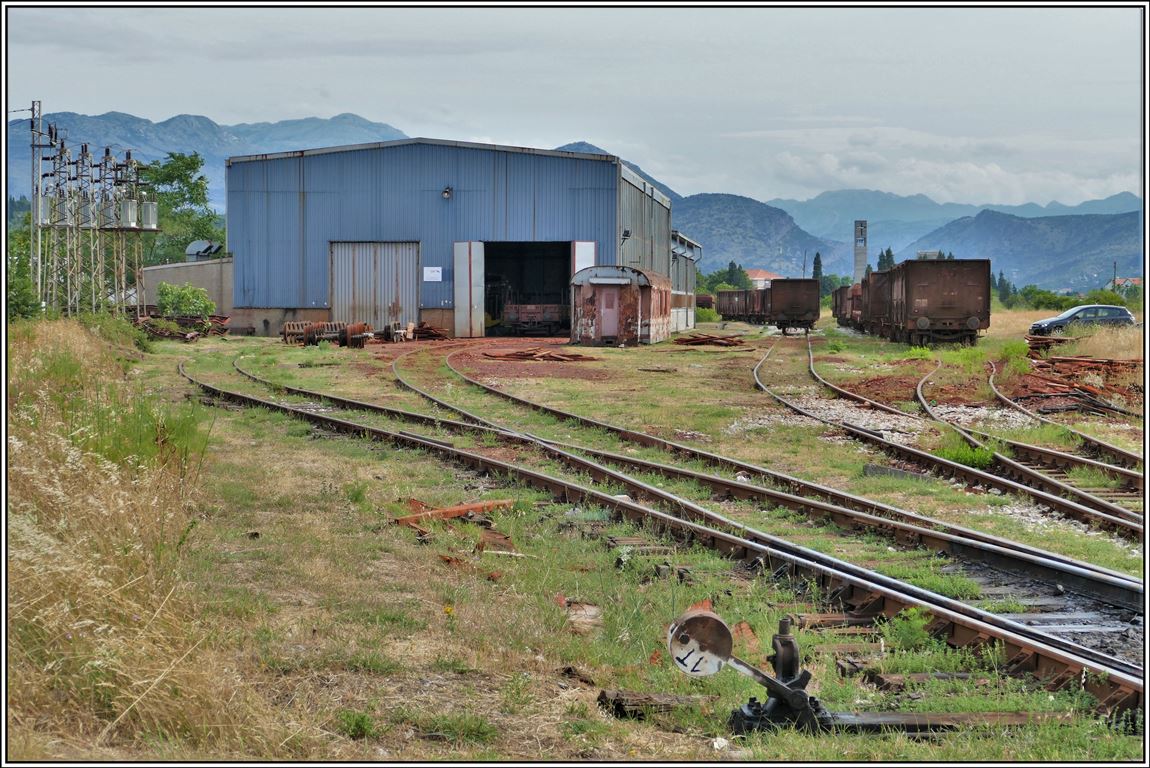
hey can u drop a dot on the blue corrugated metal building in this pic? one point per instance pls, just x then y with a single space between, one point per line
422 229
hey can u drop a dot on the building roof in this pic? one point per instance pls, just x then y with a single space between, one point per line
402 142
762 274
1127 281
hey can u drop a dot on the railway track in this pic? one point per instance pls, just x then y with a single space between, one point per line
1104 515
1090 446
1116 683
1043 468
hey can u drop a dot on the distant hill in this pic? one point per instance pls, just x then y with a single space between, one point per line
753 234
190 133
1053 252
583 146
895 221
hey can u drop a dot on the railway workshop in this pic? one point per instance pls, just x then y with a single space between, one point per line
475 239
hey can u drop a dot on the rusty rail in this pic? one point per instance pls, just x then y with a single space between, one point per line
905 527
1115 684
1123 523
1023 474
1119 456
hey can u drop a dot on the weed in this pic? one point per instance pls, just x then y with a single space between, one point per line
516 693
954 447
907 630
355 724
454 666
356 492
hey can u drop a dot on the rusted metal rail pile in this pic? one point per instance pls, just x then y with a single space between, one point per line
1040 344
701 339
185 328
540 353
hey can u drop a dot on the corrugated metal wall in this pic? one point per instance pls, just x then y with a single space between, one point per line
284 212
647 214
375 283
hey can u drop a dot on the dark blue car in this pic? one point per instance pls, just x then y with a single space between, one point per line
1085 314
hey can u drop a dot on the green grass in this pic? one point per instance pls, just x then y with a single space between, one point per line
954 447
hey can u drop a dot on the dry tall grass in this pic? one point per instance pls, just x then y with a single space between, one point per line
105 652
1125 343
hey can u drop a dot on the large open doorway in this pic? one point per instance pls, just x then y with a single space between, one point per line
527 288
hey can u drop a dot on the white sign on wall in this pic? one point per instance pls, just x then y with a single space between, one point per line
433 274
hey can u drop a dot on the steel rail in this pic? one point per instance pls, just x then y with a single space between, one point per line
792 483
1098 583
1049 455
1021 473
1115 683
1052 457
1119 456
1123 524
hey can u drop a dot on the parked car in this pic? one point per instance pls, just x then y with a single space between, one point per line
1085 314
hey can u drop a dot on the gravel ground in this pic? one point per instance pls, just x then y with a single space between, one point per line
900 429
978 416
1037 518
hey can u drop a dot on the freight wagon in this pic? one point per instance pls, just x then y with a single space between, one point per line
938 300
841 305
786 303
794 303
874 309
750 305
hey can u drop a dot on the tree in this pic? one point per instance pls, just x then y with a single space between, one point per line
950 256
21 294
817 271
867 273
885 260
737 276
184 214
1003 288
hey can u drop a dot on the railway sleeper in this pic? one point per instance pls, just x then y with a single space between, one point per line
957 632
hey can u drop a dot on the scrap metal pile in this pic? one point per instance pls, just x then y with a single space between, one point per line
183 328
1078 384
539 353
701 339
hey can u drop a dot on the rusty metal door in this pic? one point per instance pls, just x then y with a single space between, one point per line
468 287
374 282
608 310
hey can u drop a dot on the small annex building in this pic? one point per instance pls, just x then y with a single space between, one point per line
619 306
459 235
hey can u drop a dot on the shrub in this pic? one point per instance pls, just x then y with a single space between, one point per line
183 301
706 315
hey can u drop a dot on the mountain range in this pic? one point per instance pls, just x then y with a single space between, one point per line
895 221
1054 246
150 141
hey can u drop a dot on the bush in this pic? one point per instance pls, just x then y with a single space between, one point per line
183 301
706 315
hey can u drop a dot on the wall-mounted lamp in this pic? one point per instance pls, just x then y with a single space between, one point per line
626 234
447 193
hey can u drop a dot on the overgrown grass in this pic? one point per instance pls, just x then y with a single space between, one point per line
953 447
104 646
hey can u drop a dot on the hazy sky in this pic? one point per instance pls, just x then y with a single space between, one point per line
964 104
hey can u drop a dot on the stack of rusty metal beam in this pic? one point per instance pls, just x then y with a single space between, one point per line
188 328
1040 345
539 353
700 339
1082 364
425 331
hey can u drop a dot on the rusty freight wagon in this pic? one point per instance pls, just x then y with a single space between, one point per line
875 297
854 303
939 300
793 303
751 305
841 305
